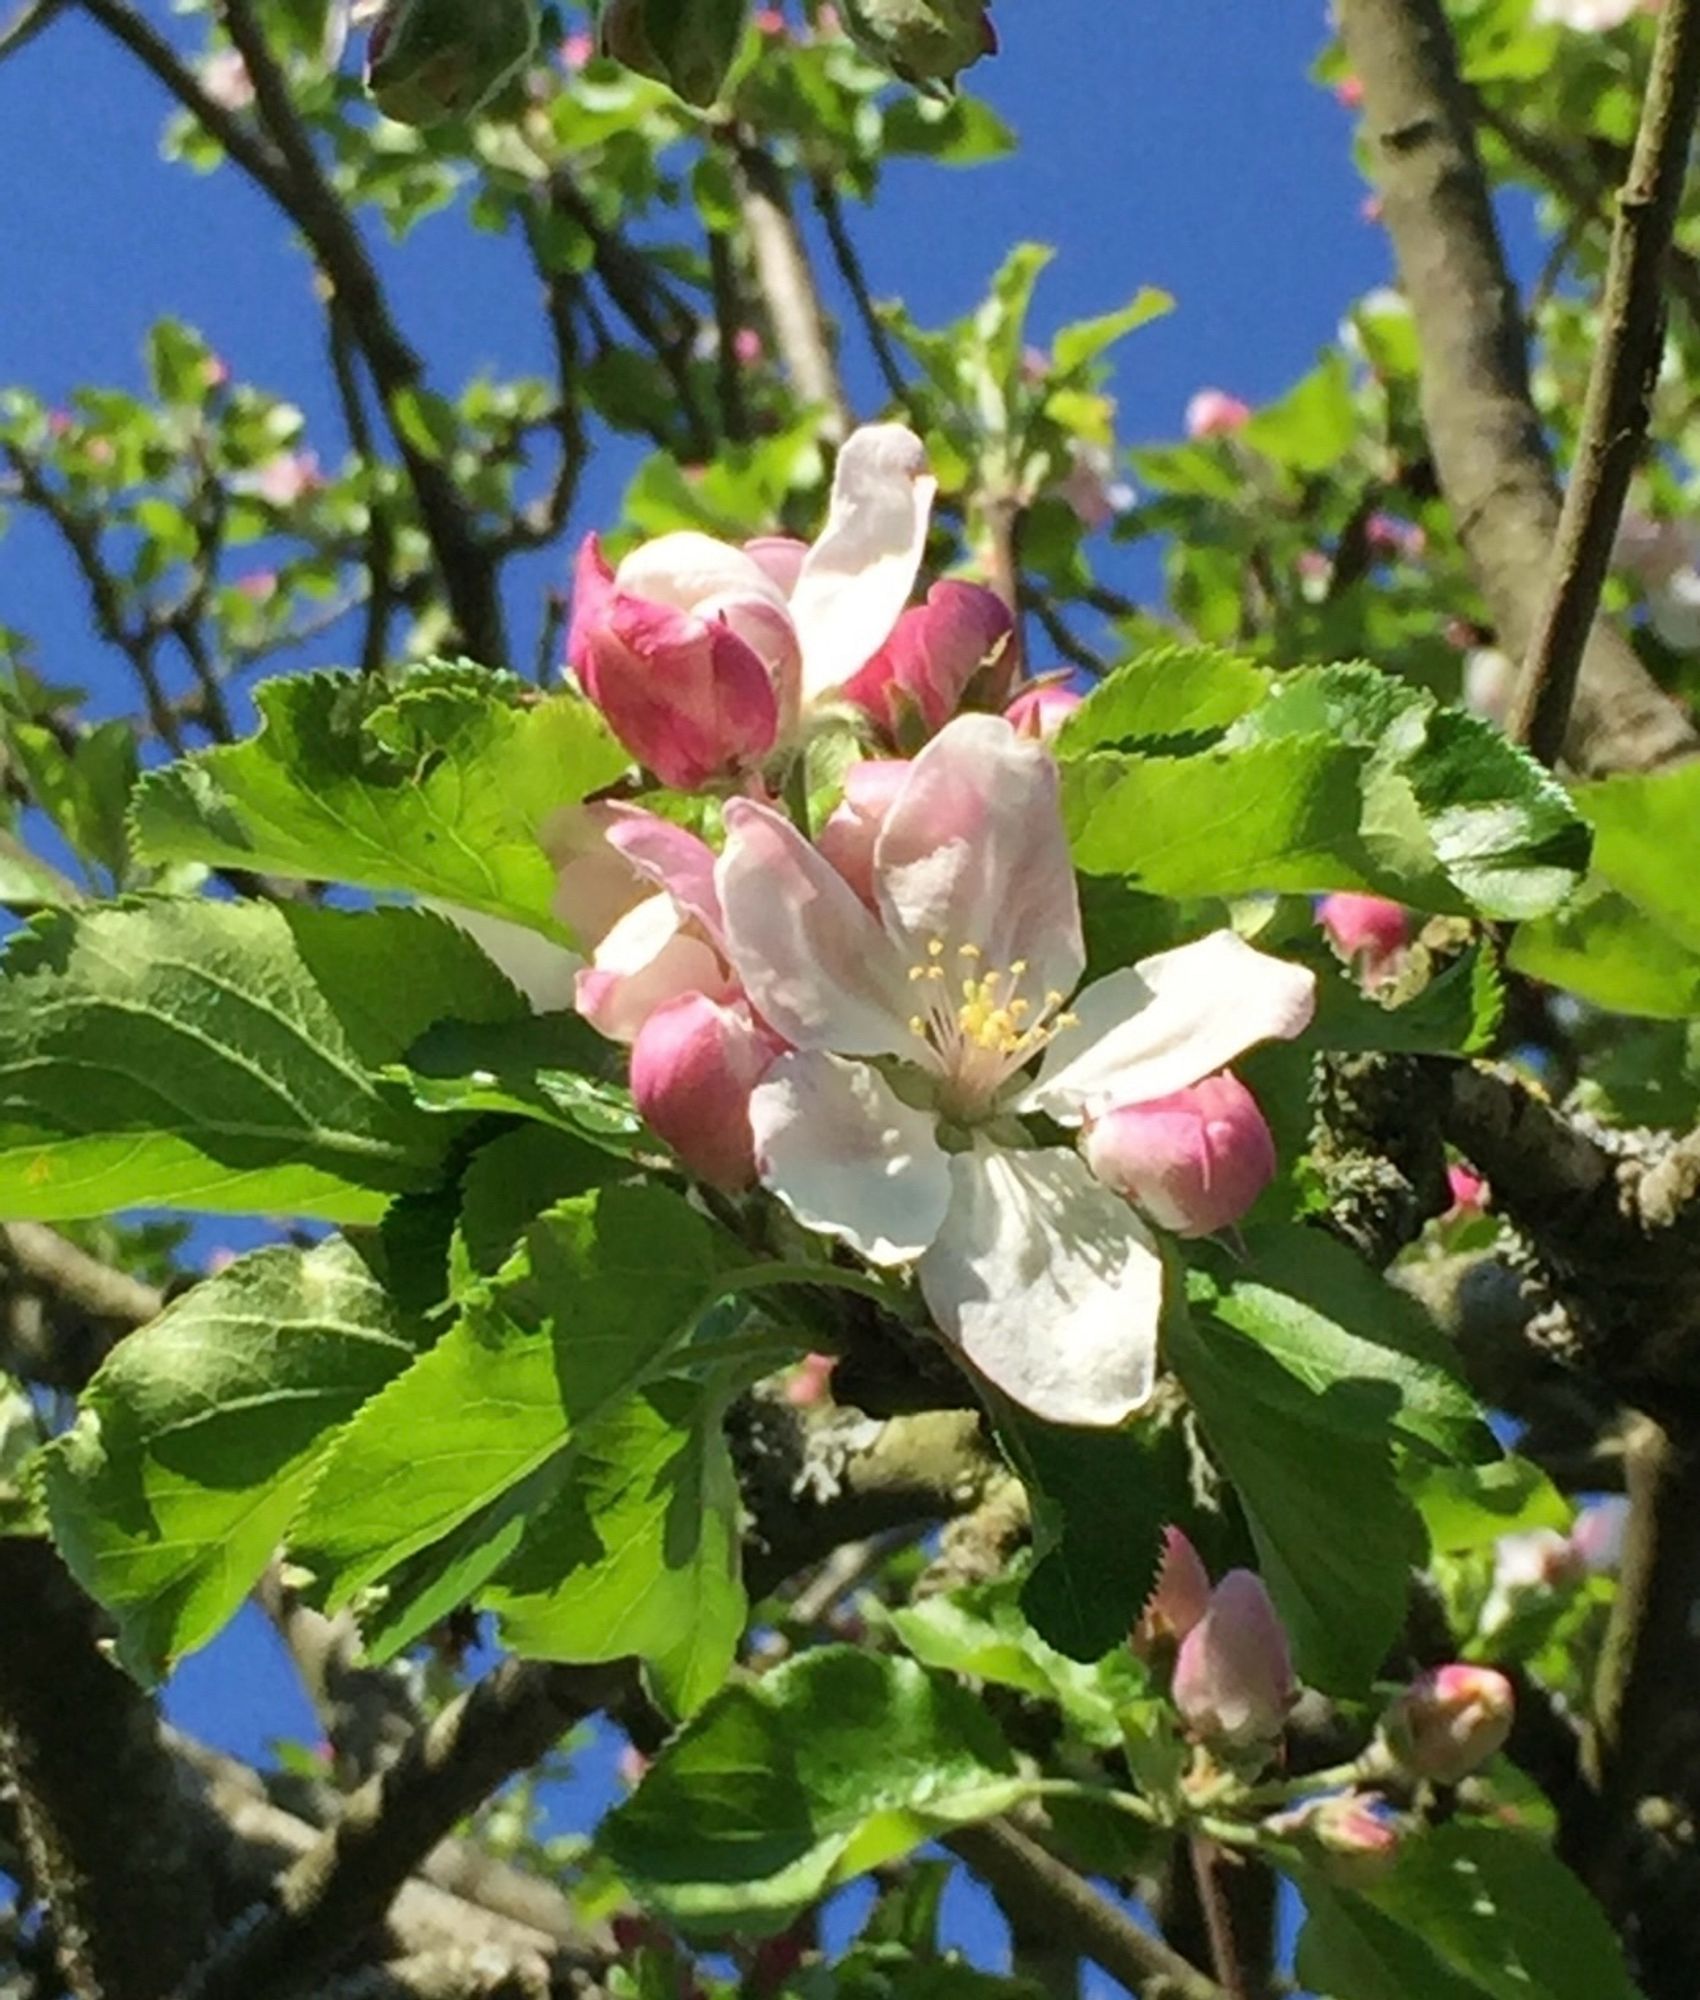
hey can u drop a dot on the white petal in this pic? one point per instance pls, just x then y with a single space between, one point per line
543 970
1167 1022
1048 1283
973 852
685 568
858 576
848 1157
817 965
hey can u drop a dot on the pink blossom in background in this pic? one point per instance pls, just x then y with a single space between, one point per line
1369 210
1194 1161
1233 1679
1214 413
1349 91
1598 1533
1090 489
770 22
1468 1190
747 347
259 586
578 49
935 650
283 480
225 79
216 373
1387 535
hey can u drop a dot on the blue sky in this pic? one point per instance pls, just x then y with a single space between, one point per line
1168 142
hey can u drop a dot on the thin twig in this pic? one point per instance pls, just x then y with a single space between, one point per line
27 22
57 1265
1022 1873
848 259
1620 385
380 538
1218 1922
729 322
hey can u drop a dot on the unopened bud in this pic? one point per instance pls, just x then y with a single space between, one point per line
1043 709
1234 1675
926 42
1214 413
935 650
694 1064
428 60
1369 932
1194 1161
1358 1840
1449 1721
1179 1597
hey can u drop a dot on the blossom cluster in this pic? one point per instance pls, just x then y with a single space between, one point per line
879 1022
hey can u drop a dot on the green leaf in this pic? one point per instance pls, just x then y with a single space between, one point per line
199 1434
1471 1910
1647 844
982 1631
783 1789
1094 1565
551 1067
1086 339
1167 692
1603 948
638 1552
1334 1535
223 1056
1340 778
1313 427
1335 1325
694 42
1467 1507
437 782
581 1320
1458 1013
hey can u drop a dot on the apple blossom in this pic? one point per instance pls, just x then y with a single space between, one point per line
935 650
1179 1598
1214 413
1597 1535
1233 1679
701 655
893 1124
694 1063
1468 1190
1194 1161
852 829
1041 708
810 1382
1449 1721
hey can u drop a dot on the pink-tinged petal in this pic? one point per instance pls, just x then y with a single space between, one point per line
688 699
694 1064
766 628
973 853
1048 1283
592 592
780 559
858 576
934 652
673 859
647 959
595 885
1179 1598
816 964
544 971
852 829
1214 413
1194 1161
1168 1021
848 1157
1450 1721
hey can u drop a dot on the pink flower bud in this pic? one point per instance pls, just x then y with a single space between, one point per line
934 651
1179 1597
686 696
747 348
1468 1190
225 79
1369 932
1234 1676
1041 710
810 1382
630 1766
694 1063
1349 91
259 586
1449 1721
1387 535
1359 1842
577 49
1214 413
1194 1161
847 839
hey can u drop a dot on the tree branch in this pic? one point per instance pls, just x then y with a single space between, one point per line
1620 385
848 259
1489 452
788 287
114 1846
1023 1875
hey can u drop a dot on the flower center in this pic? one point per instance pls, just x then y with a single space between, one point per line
978 1024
